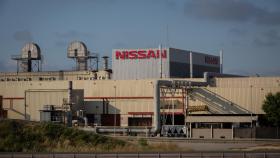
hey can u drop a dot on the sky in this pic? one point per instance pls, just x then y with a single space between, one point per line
248 31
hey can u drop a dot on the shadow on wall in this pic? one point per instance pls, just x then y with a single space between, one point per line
102 113
101 107
20 113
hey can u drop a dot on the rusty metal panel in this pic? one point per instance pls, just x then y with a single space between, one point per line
140 121
110 120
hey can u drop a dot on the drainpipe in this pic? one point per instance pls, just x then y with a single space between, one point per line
25 115
160 66
221 62
69 113
207 75
191 65
156 106
70 88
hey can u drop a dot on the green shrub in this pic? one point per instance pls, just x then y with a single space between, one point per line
21 136
142 142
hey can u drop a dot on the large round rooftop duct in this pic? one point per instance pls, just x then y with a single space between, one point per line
30 51
78 51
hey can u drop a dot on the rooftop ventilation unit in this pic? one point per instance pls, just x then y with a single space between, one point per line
30 52
78 51
105 62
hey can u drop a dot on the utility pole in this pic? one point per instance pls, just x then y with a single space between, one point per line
115 88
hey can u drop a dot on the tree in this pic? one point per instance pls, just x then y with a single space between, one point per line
271 106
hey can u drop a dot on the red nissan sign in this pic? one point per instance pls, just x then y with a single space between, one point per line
140 54
211 60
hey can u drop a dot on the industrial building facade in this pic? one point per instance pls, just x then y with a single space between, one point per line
161 63
151 92
135 97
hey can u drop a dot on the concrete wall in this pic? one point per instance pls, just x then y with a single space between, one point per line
208 133
219 133
201 133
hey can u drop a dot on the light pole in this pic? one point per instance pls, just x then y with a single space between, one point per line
115 88
251 106
173 90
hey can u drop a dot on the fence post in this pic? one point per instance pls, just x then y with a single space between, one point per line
223 155
244 155
180 155
264 155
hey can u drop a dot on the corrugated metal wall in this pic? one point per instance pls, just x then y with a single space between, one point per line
126 69
136 95
14 93
175 65
247 92
35 101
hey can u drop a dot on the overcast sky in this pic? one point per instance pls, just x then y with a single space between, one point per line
247 30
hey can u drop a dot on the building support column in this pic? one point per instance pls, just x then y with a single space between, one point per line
232 131
190 130
211 131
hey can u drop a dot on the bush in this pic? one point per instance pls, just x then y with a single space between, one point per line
142 142
20 136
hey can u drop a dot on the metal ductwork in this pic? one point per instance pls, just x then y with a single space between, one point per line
157 85
105 62
164 83
181 83
208 75
30 53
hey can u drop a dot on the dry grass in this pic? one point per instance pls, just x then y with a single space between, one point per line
263 147
22 136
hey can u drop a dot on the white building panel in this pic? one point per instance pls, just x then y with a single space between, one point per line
149 64
140 63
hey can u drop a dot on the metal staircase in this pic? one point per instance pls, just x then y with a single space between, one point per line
216 103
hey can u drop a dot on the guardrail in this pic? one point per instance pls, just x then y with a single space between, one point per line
145 155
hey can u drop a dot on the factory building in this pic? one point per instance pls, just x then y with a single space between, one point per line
146 95
161 63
